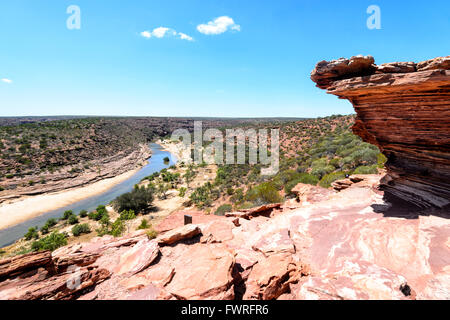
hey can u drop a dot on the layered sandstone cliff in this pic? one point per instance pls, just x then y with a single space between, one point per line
404 109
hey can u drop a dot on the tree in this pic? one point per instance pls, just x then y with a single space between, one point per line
139 200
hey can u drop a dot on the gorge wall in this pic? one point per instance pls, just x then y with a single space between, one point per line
404 109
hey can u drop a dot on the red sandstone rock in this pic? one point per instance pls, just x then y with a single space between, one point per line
436 63
185 232
326 72
396 67
12 266
264 210
340 247
307 193
176 219
271 277
44 287
407 115
138 258
207 269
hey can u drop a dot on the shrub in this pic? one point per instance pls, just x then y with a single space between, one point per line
381 160
223 209
79 229
263 193
73 219
303 178
127 215
238 196
67 214
182 192
366 169
50 242
51 222
31 234
201 196
117 228
98 214
152 234
44 229
326 181
139 199
144 225
83 213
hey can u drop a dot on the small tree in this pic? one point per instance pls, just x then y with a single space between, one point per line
139 200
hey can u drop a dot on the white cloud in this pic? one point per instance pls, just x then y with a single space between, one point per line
185 36
159 32
162 32
218 26
146 34
6 80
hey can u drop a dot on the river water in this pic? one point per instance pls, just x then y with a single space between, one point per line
156 163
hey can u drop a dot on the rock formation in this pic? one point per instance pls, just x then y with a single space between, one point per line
404 109
334 245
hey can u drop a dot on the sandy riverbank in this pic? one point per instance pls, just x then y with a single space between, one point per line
175 148
30 207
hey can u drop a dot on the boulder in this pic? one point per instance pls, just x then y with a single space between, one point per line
182 233
138 258
326 72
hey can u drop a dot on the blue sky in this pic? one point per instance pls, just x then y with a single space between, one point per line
258 67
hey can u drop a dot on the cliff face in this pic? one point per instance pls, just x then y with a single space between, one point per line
404 109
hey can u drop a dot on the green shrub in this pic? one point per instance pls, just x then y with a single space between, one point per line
139 200
303 178
263 193
67 214
182 192
31 234
98 214
73 219
79 229
201 196
117 228
366 169
51 222
127 215
166 159
44 229
152 234
238 196
326 181
50 242
83 213
223 209
144 224
381 160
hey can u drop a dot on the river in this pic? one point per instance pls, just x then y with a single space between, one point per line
156 163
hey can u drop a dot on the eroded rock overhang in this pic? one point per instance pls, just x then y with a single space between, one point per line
404 109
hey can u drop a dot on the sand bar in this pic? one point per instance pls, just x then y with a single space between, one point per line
30 207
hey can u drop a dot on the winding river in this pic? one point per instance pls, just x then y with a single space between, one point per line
156 163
